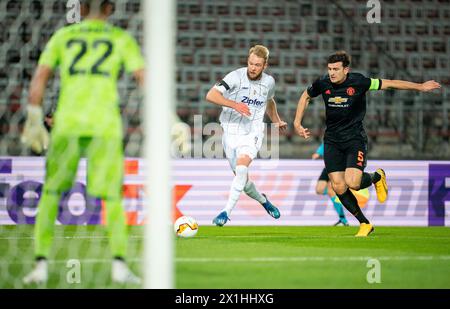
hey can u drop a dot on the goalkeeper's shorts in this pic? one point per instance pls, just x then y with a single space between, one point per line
104 164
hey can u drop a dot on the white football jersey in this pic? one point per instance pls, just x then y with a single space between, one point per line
238 87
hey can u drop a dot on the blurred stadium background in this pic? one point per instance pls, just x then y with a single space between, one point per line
412 42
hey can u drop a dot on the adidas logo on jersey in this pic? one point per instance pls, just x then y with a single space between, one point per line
249 101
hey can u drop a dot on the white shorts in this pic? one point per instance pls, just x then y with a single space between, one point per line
237 145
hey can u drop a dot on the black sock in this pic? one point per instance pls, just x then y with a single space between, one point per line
366 181
349 201
119 258
39 258
376 177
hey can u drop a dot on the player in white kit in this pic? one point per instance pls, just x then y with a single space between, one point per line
245 95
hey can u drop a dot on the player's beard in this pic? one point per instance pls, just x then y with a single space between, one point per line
256 78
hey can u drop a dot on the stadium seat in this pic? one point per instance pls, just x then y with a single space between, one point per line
213 38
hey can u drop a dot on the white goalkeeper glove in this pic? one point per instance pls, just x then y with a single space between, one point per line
35 135
181 137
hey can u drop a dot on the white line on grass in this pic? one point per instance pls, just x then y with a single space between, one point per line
231 236
65 237
261 259
309 259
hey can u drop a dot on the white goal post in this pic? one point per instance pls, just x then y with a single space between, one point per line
159 45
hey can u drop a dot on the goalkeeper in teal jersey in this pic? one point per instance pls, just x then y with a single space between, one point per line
87 122
323 187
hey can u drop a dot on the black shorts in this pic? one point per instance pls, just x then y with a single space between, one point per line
324 175
339 156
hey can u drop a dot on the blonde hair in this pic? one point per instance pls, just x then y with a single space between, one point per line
260 51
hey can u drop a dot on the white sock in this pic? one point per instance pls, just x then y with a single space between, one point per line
251 191
122 274
237 186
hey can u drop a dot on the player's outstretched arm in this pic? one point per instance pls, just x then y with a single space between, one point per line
38 85
181 131
216 97
301 107
272 112
405 85
319 152
34 134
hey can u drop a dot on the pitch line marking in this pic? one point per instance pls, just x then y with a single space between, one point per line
261 259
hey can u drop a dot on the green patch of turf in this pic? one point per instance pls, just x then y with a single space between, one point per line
248 257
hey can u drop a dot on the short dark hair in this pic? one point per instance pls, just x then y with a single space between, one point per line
340 56
102 3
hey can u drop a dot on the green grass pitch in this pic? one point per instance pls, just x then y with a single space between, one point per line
248 257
